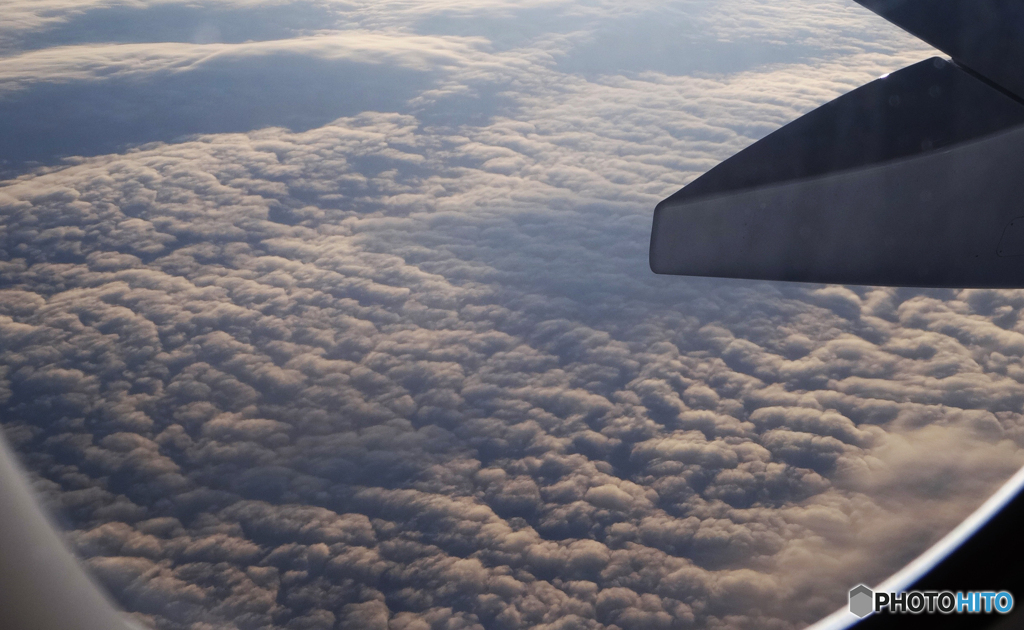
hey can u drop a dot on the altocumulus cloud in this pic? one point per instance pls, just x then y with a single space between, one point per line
404 372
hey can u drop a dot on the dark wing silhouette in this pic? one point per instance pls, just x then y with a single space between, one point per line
910 180
983 36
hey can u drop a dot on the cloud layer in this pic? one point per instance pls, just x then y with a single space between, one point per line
408 369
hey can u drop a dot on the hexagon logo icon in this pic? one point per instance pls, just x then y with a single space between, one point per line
860 600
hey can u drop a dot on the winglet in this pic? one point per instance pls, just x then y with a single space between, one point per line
983 36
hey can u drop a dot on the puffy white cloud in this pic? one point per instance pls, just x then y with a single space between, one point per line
387 415
113 61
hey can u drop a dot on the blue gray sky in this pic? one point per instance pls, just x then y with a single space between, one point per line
332 315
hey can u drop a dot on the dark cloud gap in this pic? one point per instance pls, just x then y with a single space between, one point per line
674 44
46 122
477 108
185 23
508 28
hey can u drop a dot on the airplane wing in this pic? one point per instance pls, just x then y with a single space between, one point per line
915 179
982 36
911 180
